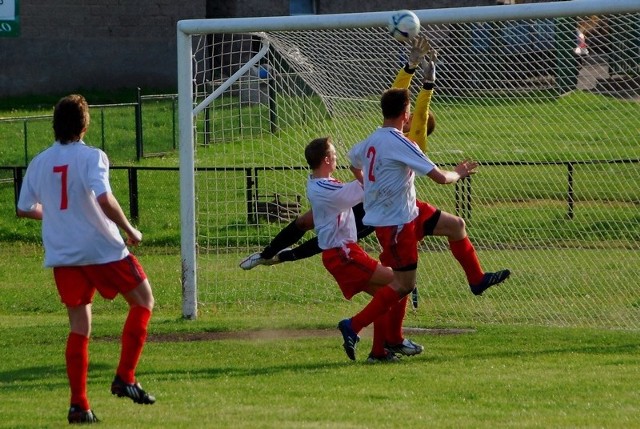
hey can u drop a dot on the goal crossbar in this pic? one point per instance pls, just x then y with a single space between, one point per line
427 16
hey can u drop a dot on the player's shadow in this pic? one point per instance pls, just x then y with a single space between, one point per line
45 376
214 372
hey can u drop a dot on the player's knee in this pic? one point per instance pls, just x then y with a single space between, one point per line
141 296
457 229
151 302
305 222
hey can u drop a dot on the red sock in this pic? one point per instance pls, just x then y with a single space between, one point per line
77 359
466 255
134 335
384 298
396 319
380 334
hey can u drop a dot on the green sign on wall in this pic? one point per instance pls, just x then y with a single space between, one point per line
9 18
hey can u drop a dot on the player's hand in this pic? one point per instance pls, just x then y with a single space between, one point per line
420 47
430 67
134 237
466 168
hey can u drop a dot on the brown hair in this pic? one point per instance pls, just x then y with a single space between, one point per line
70 118
316 151
394 102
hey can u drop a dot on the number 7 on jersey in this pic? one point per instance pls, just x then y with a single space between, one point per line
62 170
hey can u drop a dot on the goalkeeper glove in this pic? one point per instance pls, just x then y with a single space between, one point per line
419 48
430 70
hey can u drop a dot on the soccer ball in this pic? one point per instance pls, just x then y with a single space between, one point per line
404 25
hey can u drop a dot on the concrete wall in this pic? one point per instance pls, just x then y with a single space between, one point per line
72 45
69 45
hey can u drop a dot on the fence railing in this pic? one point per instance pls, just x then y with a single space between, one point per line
256 198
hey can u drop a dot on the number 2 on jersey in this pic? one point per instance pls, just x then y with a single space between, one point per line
371 154
62 170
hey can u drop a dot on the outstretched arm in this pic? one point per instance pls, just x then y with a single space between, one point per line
462 170
418 131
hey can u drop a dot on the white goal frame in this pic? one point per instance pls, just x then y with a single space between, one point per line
187 111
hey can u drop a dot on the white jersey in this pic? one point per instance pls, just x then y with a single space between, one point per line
65 180
331 203
389 162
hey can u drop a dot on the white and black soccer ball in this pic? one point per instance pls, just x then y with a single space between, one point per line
403 25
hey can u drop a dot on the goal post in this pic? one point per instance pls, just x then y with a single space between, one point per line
554 128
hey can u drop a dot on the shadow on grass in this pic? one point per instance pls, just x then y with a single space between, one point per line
43 375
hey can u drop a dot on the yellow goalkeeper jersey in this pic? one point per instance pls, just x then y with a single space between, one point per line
418 130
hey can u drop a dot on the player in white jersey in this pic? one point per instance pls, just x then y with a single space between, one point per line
422 124
67 187
354 270
389 162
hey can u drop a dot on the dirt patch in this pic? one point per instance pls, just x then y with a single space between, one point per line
271 334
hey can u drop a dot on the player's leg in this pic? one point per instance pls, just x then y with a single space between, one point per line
384 297
77 294
380 279
378 353
279 245
278 250
134 332
77 356
356 271
454 228
360 273
134 335
400 251
305 250
395 341
290 235
127 277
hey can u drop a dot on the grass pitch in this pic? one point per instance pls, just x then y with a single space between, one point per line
213 373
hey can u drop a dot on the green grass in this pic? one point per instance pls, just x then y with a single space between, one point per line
499 373
492 376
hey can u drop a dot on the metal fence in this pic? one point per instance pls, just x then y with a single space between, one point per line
261 203
29 122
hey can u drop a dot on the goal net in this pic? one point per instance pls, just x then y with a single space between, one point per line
544 96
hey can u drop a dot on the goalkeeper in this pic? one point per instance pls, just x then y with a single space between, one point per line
421 125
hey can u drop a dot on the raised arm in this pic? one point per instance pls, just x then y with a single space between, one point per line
418 130
419 48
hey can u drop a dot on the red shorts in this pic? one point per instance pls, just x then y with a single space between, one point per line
425 211
400 243
351 266
77 285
